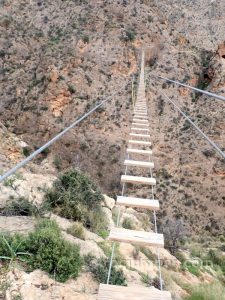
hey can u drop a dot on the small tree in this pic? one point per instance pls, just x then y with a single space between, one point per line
129 35
174 233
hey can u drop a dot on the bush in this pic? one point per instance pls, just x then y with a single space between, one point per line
217 259
26 151
145 278
71 89
127 223
148 253
193 269
107 249
74 196
129 35
12 247
214 291
77 230
44 249
22 207
180 256
51 253
85 39
100 271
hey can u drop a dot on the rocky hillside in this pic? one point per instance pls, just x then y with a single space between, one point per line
59 58
27 277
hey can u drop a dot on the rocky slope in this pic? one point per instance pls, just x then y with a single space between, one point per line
136 266
57 59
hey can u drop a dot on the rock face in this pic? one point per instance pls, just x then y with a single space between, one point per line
16 224
37 285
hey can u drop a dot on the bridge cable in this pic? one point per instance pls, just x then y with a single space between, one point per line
55 138
214 145
191 87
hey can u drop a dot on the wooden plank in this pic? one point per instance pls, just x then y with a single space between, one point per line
141 113
140 120
144 143
140 135
136 237
139 151
138 163
139 129
151 204
138 180
140 124
135 292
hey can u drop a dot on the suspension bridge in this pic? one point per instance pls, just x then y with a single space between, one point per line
139 155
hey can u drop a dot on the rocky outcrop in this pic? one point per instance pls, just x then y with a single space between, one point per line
37 285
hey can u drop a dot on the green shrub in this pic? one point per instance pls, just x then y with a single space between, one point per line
214 291
217 259
12 248
77 230
104 234
57 162
191 267
180 256
26 151
85 39
129 35
75 196
22 207
100 271
128 223
107 249
71 89
51 253
43 249
145 278
148 253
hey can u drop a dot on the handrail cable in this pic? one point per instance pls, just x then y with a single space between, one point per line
214 145
55 138
191 87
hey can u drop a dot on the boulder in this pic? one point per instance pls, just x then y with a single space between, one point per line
109 202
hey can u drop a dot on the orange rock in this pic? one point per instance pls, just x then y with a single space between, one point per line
221 50
183 91
58 103
54 75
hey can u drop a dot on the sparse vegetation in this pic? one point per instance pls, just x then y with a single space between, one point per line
129 35
100 268
43 249
174 234
76 197
128 223
77 230
21 206
214 291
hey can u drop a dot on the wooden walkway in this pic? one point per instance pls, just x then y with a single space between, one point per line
113 292
138 156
